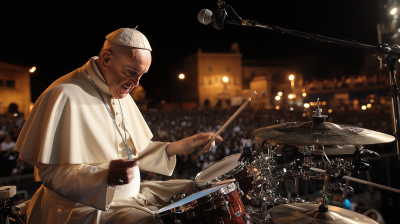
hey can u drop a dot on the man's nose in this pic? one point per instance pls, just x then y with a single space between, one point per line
135 82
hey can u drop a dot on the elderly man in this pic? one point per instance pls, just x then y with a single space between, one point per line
81 133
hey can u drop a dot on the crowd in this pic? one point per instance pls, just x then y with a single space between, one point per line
176 125
349 82
10 128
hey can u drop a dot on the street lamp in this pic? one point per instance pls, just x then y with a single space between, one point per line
394 10
181 76
225 79
32 70
291 78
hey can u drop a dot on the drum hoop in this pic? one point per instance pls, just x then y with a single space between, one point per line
195 203
223 177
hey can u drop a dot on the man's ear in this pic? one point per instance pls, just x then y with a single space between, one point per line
105 57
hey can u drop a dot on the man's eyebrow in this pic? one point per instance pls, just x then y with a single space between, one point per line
136 69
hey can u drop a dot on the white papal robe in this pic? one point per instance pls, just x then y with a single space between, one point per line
71 139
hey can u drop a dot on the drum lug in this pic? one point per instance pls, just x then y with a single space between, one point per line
225 206
241 194
246 219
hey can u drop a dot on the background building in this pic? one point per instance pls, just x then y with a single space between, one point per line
15 89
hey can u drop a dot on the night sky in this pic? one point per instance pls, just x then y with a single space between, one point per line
59 37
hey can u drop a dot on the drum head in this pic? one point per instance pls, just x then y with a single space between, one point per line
176 206
218 168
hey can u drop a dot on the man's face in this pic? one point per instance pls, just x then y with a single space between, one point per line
125 71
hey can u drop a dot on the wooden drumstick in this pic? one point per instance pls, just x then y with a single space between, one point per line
225 125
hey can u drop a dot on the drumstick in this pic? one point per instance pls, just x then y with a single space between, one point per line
225 125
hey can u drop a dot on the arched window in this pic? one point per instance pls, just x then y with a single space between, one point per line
13 108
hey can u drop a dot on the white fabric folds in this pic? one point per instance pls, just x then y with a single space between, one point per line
64 128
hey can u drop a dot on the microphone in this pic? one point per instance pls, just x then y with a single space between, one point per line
218 19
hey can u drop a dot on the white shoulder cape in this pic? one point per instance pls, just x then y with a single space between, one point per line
69 123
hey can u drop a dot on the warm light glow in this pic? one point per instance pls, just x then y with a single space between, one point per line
394 10
225 79
330 111
371 100
311 103
306 105
304 94
181 76
304 114
290 96
32 70
324 103
280 94
277 107
291 77
294 96
372 96
277 97
291 108
303 90
15 115
363 107
369 105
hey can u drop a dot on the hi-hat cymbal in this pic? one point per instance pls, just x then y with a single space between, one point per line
302 213
325 133
332 150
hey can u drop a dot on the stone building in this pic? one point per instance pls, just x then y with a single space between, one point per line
224 79
15 89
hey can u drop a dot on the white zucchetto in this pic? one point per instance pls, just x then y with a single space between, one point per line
130 38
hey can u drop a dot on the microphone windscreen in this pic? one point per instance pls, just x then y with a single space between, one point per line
205 16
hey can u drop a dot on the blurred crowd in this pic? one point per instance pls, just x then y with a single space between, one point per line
176 125
10 127
349 82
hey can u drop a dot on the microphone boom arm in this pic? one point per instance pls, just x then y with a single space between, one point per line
391 55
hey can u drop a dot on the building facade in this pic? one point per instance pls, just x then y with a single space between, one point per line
15 90
224 79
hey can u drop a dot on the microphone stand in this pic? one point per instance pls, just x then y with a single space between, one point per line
390 55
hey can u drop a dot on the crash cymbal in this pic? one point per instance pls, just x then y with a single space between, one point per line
302 213
324 133
332 150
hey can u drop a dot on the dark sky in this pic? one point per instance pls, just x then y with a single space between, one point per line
59 37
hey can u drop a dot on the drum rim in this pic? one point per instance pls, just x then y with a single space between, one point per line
222 177
228 188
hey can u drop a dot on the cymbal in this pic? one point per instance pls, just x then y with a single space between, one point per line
303 213
325 133
332 150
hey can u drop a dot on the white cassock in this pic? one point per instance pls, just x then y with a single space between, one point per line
71 139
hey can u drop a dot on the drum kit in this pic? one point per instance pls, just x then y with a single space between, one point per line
242 188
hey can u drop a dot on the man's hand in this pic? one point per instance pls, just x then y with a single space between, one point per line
188 145
121 170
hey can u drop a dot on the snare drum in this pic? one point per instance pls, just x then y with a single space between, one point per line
225 169
221 204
